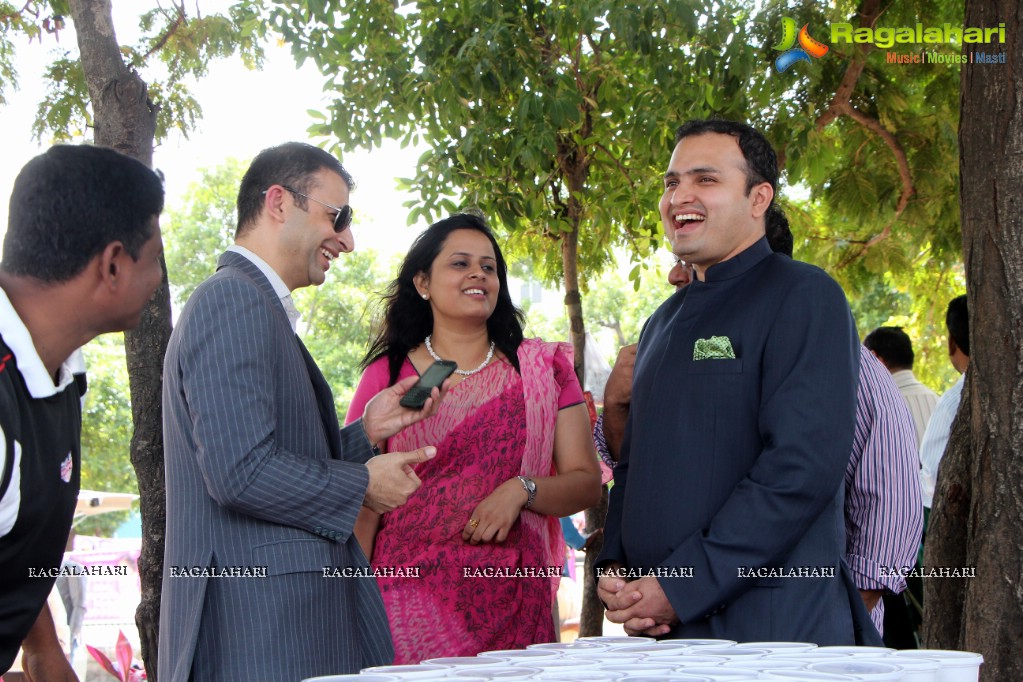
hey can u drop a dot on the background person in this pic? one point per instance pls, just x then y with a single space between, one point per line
892 346
514 454
81 257
932 447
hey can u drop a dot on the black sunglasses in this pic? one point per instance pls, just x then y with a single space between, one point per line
342 214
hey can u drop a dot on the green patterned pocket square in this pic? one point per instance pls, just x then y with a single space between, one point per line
714 348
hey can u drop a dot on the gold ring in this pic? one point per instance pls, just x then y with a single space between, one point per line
474 522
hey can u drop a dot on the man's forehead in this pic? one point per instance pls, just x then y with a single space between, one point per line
706 152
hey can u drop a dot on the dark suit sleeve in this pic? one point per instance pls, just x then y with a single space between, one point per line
355 443
806 420
227 365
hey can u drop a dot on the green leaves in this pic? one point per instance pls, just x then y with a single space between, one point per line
173 47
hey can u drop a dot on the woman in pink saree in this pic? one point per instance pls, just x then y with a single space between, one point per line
470 562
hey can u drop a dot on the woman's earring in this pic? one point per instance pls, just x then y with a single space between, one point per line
426 297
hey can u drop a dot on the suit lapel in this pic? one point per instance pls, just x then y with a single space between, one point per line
324 401
324 397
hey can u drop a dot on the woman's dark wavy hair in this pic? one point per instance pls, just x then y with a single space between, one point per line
408 319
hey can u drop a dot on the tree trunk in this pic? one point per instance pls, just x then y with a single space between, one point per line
591 618
125 120
991 167
573 300
948 535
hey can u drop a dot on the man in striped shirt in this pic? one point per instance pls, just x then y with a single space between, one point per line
891 345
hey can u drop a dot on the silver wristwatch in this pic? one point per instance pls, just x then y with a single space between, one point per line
530 486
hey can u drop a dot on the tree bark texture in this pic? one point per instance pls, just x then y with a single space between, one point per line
991 166
591 618
125 120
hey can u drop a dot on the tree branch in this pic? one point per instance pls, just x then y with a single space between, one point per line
841 105
618 163
179 20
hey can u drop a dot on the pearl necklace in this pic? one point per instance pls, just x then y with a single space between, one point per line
462 372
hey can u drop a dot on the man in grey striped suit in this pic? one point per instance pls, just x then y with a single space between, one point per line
263 487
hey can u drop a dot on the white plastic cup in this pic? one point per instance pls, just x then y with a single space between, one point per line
764 665
779 647
641 668
584 674
522 654
913 669
617 640
409 672
800 675
717 673
510 672
732 652
956 666
868 651
565 647
698 642
565 663
860 670
691 660
464 661
812 656
356 676
658 650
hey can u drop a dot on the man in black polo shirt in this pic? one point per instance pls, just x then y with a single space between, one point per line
81 257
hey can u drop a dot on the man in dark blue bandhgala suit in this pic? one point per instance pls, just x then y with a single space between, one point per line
726 517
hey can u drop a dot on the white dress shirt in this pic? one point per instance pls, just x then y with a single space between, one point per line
932 447
280 288
919 399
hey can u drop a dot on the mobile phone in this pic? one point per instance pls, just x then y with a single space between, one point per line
432 377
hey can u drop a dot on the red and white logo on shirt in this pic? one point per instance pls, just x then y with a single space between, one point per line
66 467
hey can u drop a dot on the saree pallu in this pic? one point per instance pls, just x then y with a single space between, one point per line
463 599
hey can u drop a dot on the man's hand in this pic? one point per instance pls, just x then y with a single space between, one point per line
617 396
640 606
871 598
384 417
392 478
43 659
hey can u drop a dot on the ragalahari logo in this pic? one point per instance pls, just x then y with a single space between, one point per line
808 47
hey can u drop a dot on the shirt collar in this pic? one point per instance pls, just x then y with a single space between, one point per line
19 340
740 263
279 287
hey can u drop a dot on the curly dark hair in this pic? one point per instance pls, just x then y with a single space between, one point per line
408 319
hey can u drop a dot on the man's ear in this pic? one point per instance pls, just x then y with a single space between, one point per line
952 346
760 199
273 202
111 264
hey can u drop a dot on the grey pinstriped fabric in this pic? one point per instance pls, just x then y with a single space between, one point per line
256 478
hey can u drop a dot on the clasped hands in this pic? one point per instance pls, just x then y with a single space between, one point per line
392 477
639 605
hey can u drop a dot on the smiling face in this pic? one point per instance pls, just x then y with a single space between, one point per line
708 215
462 282
308 243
